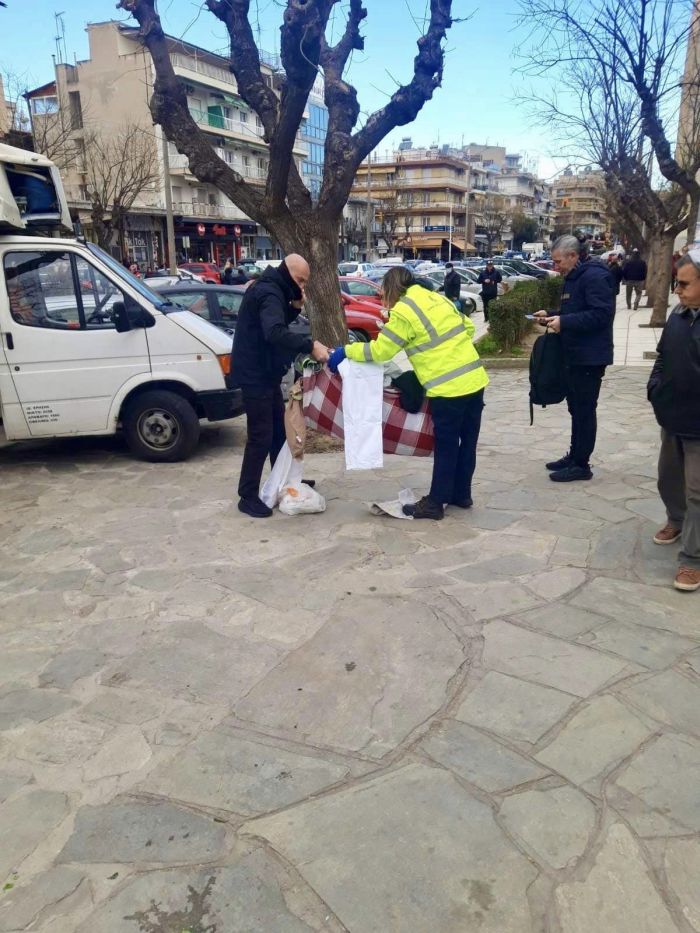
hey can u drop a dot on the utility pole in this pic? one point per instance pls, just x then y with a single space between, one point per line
449 249
368 243
169 222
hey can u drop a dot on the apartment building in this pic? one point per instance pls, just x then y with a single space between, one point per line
109 92
581 203
421 201
689 121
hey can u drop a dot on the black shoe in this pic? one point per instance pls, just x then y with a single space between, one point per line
571 473
256 508
559 464
309 482
425 508
462 503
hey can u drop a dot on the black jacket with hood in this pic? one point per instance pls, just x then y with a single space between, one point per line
674 384
263 345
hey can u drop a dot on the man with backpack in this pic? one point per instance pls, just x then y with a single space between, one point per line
585 326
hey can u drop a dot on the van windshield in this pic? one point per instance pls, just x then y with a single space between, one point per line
123 273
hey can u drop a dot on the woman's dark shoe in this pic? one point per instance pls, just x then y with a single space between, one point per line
425 508
571 473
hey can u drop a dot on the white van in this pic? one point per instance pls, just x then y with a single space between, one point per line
86 347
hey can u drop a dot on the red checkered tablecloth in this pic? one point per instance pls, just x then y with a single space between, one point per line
405 434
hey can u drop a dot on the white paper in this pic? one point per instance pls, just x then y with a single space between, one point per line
363 397
394 508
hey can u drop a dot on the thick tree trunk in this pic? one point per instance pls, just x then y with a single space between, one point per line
652 268
662 286
317 242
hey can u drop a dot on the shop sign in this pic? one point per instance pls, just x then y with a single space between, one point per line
219 230
236 230
201 229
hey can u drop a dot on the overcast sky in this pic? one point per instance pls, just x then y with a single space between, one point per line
477 101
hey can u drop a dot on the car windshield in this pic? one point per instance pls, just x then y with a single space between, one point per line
118 269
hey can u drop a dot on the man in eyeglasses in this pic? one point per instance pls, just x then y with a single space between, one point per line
674 392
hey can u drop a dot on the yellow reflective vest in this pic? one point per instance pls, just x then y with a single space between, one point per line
437 340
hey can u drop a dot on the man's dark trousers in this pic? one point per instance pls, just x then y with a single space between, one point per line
486 299
264 410
456 423
583 389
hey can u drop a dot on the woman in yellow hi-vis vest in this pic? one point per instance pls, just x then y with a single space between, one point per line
438 342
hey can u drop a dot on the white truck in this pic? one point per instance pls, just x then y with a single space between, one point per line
85 347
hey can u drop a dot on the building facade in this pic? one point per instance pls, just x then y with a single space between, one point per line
581 203
107 95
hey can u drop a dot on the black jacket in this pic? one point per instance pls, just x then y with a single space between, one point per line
615 270
674 384
452 285
634 270
587 314
263 345
494 276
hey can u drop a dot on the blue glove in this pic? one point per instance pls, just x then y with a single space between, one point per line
336 358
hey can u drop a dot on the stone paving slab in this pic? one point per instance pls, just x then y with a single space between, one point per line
344 723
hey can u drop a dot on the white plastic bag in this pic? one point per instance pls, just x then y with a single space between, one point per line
301 499
286 472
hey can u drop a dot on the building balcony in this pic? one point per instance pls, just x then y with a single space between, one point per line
239 128
213 211
187 66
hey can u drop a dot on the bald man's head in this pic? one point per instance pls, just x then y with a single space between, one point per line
298 269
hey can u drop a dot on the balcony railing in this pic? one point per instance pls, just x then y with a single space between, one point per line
200 209
203 68
217 122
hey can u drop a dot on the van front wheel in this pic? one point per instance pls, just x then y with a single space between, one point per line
161 426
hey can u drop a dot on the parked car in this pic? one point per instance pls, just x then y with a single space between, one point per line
220 304
467 289
354 268
208 271
363 288
525 268
161 279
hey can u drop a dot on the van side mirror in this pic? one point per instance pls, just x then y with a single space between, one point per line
130 316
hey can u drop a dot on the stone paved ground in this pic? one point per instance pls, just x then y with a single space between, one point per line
344 722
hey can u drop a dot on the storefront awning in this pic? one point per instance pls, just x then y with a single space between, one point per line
427 243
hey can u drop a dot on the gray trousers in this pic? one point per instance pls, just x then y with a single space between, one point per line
638 289
679 488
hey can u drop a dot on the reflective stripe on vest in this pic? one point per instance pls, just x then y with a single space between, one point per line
455 332
367 353
399 341
422 317
447 377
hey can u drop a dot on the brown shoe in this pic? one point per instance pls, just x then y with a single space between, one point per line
687 579
667 535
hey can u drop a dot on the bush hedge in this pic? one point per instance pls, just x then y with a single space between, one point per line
507 322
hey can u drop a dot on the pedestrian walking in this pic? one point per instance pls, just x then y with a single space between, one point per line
674 392
452 285
615 270
489 279
585 322
634 273
438 342
263 350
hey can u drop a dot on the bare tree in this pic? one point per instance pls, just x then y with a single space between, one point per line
118 169
613 64
494 219
285 206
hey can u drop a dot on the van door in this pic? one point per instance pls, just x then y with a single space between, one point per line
66 359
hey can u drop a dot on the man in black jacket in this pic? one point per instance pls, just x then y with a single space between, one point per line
674 392
489 279
452 285
585 322
634 272
263 350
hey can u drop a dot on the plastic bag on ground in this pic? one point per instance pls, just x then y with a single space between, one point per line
286 472
394 508
301 500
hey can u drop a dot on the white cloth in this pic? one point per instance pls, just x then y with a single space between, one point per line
363 396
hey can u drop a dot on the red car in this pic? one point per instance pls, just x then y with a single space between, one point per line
209 271
363 318
365 289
